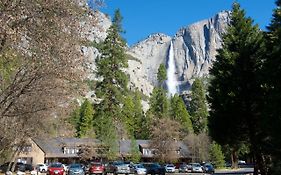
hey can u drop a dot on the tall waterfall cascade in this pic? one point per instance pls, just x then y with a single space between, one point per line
172 80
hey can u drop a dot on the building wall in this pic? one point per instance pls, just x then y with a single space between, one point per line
32 156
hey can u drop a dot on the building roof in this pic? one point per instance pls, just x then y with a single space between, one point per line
125 147
53 147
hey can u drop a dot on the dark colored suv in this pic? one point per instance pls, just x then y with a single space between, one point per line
208 168
19 167
154 168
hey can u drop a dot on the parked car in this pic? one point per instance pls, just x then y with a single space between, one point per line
4 167
28 167
196 168
118 167
154 168
139 169
184 168
75 169
18 167
122 168
97 168
55 169
170 168
208 168
41 167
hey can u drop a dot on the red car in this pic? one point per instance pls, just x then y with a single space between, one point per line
55 169
97 168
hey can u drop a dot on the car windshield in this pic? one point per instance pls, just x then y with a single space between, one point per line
96 164
75 166
170 165
139 166
118 163
56 165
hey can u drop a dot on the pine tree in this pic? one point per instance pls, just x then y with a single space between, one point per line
134 151
198 107
235 89
159 106
112 87
273 87
129 115
140 120
179 113
216 155
85 123
161 74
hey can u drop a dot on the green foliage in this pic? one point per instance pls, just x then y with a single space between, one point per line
235 93
129 115
273 89
75 117
159 103
112 87
198 107
161 74
106 133
216 155
85 123
140 120
179 113
134 151
133 116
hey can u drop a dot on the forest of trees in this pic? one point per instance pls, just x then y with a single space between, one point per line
236 114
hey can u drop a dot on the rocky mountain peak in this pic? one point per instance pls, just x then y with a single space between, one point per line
194 51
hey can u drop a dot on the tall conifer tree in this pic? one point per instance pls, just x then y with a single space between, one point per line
85 123
112 86
273 86
179 113
198 107
235 90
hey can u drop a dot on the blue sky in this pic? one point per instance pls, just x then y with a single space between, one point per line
144 17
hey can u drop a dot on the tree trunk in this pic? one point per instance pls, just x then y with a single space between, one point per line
260 167
12 165
234 159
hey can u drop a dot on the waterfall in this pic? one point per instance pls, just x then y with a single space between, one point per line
171 81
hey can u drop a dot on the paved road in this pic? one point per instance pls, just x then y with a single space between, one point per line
241 171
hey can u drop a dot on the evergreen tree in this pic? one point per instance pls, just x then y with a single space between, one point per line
161 74
134 151
273 87
216 155
179 113
129 117
112 86
198 107
141 122
235 90
159 106
85 123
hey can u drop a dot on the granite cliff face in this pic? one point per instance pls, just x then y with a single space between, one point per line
194 49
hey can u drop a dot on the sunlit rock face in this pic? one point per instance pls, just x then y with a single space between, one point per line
194 51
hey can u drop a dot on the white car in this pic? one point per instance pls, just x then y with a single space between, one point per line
170 168
196 168
41 167
139 169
